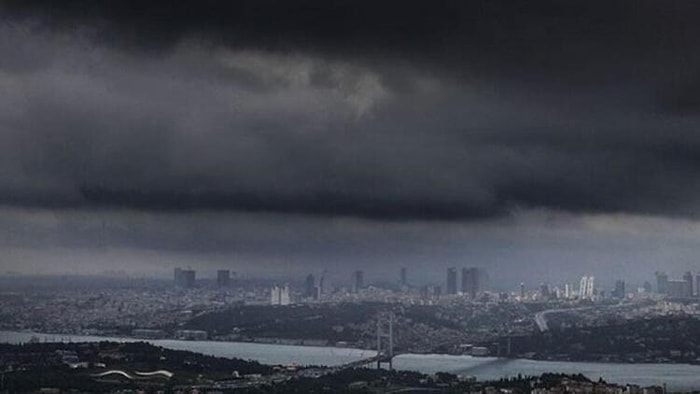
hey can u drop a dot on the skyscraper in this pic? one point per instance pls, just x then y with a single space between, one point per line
184 278
424 292
590 290
619 291
404 280
357 281
470 281
583 284
437 291
677 288
279 295
178 276
661 282
223 278
187 278
451 281
586 288
321 288
310 286
688 278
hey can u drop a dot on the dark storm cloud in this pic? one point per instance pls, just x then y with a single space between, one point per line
402 110
558 37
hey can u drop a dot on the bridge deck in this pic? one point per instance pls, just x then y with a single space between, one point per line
382 358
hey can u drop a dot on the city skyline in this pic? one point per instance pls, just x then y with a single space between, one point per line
466 282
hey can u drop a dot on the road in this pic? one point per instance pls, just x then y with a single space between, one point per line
541 317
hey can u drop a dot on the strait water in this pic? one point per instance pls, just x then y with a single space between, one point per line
677 377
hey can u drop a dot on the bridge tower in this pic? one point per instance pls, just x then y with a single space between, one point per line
385 339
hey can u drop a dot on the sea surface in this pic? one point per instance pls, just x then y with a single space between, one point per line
677 377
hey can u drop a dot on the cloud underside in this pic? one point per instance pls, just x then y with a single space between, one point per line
404 111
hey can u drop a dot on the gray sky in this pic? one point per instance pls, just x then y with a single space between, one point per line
541 141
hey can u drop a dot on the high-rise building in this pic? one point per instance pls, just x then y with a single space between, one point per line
424 292
544 291
187 278
647 287
451 281
586 288
619 291
357 281
279 295
556 292
677 288
522 290
697 284
223 278
404 280
184 278
470 281
661 282
321 288
437 291
178 276
583 284
310 286
688 278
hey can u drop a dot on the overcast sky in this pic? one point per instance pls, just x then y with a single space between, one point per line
540 140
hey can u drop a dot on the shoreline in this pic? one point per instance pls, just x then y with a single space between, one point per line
127 338
63 337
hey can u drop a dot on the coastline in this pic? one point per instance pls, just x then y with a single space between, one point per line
310 343
682 377
293 343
